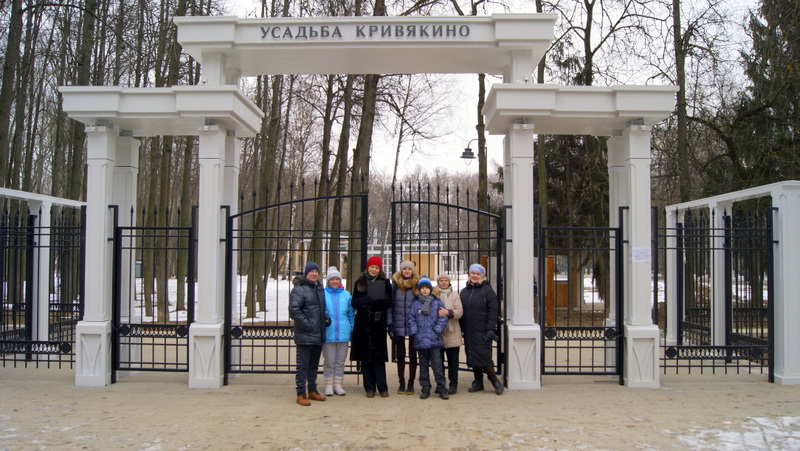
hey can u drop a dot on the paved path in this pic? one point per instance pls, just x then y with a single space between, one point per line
42 409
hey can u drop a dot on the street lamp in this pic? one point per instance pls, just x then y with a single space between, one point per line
468 155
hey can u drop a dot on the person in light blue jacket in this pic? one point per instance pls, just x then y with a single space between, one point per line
338 333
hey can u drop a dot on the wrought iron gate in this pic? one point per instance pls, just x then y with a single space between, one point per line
154 293
444 231
41 285
265 249
579 294
720 317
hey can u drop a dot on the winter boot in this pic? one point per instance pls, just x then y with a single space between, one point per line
328 387
453 388
410 388
498 386
402 389
303 400
477 385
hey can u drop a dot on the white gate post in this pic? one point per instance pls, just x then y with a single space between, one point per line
205 335
641 335
524 347
787 284
617 197
93 333
125 189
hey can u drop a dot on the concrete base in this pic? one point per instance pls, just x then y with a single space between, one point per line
787 380
641 357
524 357
93 354
206 357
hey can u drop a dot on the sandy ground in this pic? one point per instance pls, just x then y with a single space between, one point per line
42 409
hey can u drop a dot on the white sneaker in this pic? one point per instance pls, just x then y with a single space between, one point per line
339 390
329 390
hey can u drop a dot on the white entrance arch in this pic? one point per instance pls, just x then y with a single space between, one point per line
228 48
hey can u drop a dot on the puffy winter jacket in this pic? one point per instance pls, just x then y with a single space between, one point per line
405 291
426 329
341 313
307 309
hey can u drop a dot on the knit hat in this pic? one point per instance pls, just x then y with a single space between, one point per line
477 267
375 260
424 282
333 273
310 266
406 264
443 276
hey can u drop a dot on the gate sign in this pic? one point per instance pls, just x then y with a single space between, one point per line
364 45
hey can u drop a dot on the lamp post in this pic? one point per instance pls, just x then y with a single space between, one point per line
468 155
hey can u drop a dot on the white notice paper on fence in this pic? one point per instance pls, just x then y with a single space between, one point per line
641 255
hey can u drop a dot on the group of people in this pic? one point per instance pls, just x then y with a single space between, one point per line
425 323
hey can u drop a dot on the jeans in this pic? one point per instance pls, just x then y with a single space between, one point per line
431 357
307 367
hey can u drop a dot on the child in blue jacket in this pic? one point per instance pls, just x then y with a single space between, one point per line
426 327
338 333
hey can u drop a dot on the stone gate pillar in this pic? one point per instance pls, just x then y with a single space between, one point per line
93 333
641 335
524 347
206 334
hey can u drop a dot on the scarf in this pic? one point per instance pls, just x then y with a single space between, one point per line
426 306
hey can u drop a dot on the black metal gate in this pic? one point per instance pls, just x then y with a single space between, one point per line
579 294
41 285
265 249
154 293
444 231
722 319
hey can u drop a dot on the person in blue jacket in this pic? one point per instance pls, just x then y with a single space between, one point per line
426 327
337 334
307 310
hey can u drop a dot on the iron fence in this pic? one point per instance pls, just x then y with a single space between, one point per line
154 291
721 318
42 272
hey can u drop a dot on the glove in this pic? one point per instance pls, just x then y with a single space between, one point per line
491 336
366 301
390 330
327 321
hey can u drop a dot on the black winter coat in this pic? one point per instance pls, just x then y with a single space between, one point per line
481 310
307 309
369 331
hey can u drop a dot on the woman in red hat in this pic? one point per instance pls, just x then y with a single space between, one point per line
372 297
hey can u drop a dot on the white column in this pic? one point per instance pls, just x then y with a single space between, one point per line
641 335
716 210
671 279
205 335
787 285
524 347
40 291
126 173
617 197
93 334
215 70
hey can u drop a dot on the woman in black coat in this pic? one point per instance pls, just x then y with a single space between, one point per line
372 297
481 310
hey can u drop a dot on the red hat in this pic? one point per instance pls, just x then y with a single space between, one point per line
375 260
